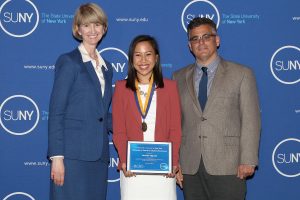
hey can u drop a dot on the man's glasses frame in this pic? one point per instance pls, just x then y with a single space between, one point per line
205 38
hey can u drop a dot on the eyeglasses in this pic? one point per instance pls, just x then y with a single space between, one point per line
205 38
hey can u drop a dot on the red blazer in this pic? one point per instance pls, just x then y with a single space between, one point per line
127 119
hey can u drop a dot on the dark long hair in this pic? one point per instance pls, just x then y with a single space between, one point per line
158 77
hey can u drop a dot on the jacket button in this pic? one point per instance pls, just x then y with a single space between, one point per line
203 119
100 119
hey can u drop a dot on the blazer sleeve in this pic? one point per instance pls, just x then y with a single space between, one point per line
65 74
119 127
250 120
175 123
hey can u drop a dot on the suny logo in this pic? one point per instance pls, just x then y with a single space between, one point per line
18 18
285 65
16 195
19 115
118 59
113 175
286 157
199 8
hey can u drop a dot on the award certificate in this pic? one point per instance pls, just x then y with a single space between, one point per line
149 157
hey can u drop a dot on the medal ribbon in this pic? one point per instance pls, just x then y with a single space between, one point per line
144 109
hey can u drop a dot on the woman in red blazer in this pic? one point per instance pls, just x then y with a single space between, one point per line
161 121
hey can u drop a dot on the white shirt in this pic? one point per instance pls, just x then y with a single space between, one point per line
98 70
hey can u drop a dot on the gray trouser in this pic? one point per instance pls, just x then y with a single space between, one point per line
203 186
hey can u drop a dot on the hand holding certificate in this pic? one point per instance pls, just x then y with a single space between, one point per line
149 157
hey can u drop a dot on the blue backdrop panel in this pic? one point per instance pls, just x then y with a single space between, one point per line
263 35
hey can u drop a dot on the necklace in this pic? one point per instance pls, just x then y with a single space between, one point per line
143 109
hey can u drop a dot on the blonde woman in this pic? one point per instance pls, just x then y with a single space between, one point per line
78 116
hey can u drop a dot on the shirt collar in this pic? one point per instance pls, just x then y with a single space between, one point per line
86 58
211 67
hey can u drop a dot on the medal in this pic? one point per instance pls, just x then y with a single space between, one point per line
144 126
143 109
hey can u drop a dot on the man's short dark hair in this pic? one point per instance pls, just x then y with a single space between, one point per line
198 21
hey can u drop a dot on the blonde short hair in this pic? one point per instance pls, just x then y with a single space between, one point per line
88 13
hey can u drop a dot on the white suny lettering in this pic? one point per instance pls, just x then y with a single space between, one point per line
28 17
19 115
18 17
192 16
113 162
288 158
294 64
118 66
295 157
289 66
29 114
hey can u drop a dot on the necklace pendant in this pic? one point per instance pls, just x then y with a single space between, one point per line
144 126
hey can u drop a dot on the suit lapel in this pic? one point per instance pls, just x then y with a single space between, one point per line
107 82
217 82
133 108
94 77
191 88
159 104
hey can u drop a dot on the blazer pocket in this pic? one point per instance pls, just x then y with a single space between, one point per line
231 140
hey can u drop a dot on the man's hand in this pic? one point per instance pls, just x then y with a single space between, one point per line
245 170
179 177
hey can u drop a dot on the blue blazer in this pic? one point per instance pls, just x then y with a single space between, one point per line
79 120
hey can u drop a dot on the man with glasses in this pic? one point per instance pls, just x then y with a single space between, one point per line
220 120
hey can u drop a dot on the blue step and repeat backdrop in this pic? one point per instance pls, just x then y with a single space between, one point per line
263 35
